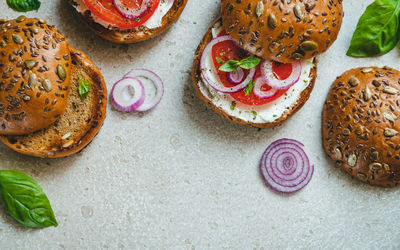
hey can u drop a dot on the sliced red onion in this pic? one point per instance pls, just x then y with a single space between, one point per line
145 76
285 166
133 13
236 77
267 73
258 83
210 75
128 94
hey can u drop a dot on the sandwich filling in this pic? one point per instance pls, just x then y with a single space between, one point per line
260 99
106 14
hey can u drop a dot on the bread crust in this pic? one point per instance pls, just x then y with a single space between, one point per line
135 35
196 78
360 125
283 31
58 146
32 94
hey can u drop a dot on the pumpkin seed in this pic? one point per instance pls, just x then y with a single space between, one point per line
338 153
390 132
34 29
20 19
297 11
309 46
297 56
259 8
366 70
61 72
375 155
32 80
310 5
47 85
29 64
352 160
272 21
353 81
390 90
361 175
17 39
375 166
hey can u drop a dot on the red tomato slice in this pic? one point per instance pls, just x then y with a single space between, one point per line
105 10
282 70
228 50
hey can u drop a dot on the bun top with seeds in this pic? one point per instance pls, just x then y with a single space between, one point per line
35 70
361 125
283 30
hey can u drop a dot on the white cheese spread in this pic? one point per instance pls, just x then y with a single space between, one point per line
269 112
155 20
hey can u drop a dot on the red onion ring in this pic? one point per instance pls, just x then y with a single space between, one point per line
133 13
236 77
266 70
122 96
147 75
258 83
209 73
285 166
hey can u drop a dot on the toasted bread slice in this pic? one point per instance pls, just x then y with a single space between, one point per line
137 34
80 123
197 79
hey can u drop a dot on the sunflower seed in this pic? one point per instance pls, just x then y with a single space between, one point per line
390 90
367 94
297 11
352 160
47 85
390 132
389 116
338 153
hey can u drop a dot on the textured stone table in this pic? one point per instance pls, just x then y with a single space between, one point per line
182 177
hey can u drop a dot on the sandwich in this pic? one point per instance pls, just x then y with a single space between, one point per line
126 21
257 64
52 97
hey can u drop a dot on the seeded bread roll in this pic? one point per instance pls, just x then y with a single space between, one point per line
283 31
80 123
139 34
35 74
289 111
360 125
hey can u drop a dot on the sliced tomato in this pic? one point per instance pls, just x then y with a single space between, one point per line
281 70
228 50
105 10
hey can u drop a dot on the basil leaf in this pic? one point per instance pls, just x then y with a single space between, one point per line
229 66
25 200
23 5
84 87
249 62
249 88
377 30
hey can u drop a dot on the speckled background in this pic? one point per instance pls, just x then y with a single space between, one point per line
182 177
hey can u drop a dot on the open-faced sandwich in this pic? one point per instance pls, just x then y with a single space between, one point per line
52 97
129 21
257 65
361 125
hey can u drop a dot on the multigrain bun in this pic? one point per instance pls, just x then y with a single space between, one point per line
35 75
283 31
197 80
127 36
360 125
80 123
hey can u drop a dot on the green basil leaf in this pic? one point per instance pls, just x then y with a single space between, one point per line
249 62
229 66
25 200
377 30
249 88
84 87
23 5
